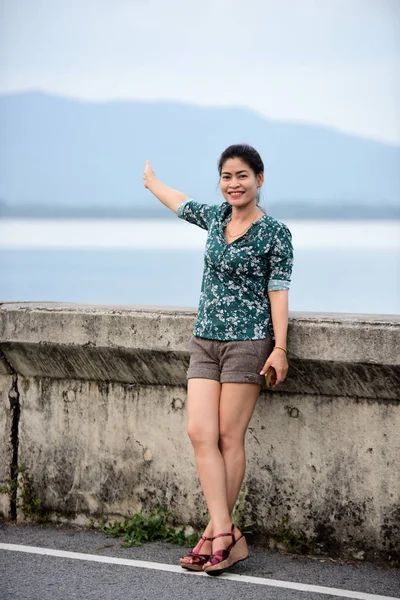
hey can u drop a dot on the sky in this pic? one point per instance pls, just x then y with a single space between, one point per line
330 62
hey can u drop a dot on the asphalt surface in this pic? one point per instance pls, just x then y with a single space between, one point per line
38 577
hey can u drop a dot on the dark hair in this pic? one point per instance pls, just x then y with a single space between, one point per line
247 154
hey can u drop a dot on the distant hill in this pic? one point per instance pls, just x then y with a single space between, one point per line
87 157
281 210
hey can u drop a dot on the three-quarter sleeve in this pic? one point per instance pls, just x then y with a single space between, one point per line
280 261
197 213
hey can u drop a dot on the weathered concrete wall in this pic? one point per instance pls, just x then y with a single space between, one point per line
102 425
7 431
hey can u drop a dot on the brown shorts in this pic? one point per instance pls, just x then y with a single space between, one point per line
238 361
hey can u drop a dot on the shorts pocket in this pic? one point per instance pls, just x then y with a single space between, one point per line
262 348
192 341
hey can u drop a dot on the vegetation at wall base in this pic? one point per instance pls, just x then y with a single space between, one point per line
155 527
237 515
20 491
293 541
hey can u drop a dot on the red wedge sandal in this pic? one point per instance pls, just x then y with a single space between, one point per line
198 559
221 560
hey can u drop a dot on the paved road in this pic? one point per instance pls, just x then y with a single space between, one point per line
34 576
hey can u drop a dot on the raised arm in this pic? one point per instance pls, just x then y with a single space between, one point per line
168 196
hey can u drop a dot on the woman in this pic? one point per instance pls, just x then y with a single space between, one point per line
241 331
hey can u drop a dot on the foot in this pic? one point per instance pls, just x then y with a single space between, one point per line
222 543
202 550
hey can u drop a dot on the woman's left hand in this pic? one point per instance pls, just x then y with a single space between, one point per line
278 360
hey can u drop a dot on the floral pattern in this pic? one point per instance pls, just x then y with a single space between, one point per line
234 303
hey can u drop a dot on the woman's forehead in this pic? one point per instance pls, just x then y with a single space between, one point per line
234 165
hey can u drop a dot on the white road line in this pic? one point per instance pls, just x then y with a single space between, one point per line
289 585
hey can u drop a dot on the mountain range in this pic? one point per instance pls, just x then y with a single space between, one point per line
66 157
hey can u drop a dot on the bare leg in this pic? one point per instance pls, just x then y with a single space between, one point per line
236 407
203 429
218 416
203 396
237 404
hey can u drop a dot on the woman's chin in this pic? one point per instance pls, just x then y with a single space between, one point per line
238 202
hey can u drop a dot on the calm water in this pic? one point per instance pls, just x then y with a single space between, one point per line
339 267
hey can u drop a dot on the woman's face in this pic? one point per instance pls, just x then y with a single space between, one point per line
238 183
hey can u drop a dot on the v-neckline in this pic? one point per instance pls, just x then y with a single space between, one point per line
223 227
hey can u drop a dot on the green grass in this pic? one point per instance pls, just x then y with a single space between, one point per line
237 515
155 527
20 491
294 541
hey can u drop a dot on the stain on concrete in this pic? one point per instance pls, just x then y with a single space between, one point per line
14 399
177 404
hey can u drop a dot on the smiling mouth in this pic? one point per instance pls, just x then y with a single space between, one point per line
236 194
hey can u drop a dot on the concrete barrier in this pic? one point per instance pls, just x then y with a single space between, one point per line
93 407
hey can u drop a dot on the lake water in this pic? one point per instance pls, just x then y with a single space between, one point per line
339 266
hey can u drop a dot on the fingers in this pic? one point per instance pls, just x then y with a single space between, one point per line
265 368
280 376
280 372
148 173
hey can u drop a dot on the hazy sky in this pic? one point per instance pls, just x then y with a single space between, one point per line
335 62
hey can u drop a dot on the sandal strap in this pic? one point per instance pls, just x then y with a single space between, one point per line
221 535
194 554
231 533
198 558
204 557
219 556
201 542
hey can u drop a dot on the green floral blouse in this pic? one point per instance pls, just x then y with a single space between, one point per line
234 304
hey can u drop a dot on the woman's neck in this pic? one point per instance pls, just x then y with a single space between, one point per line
244 214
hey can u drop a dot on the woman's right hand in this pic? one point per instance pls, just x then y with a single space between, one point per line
168 196
148 174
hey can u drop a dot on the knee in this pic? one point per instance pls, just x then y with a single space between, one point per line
200 435
231 441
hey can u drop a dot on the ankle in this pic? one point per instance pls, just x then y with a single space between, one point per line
223 526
